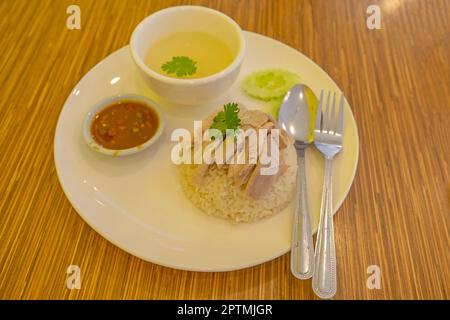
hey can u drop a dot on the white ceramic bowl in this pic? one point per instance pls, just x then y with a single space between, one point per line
108 101
188 19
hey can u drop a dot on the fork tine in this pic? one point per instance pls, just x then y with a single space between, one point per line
340 120
326 120
332 118
319 113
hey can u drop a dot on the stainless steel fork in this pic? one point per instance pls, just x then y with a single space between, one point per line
328 140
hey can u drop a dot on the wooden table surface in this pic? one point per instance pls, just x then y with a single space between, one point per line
397 215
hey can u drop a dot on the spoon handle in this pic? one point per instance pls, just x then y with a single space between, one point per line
302 256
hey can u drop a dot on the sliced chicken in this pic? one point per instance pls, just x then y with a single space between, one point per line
254 118
268 125
246 174
241 172
285 139
229 148
206 160
259 183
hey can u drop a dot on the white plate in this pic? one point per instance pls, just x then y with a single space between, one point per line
136 202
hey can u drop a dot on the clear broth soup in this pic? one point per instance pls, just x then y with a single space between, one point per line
210 54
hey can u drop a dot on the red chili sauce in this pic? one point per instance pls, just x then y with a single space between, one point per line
124 124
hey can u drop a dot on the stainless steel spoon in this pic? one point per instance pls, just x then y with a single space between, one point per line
294 117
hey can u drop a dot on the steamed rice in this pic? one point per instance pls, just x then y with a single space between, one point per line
219 196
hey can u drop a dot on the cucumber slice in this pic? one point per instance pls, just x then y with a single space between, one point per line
269 84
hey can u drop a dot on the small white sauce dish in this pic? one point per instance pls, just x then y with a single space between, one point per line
109 101
187 19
